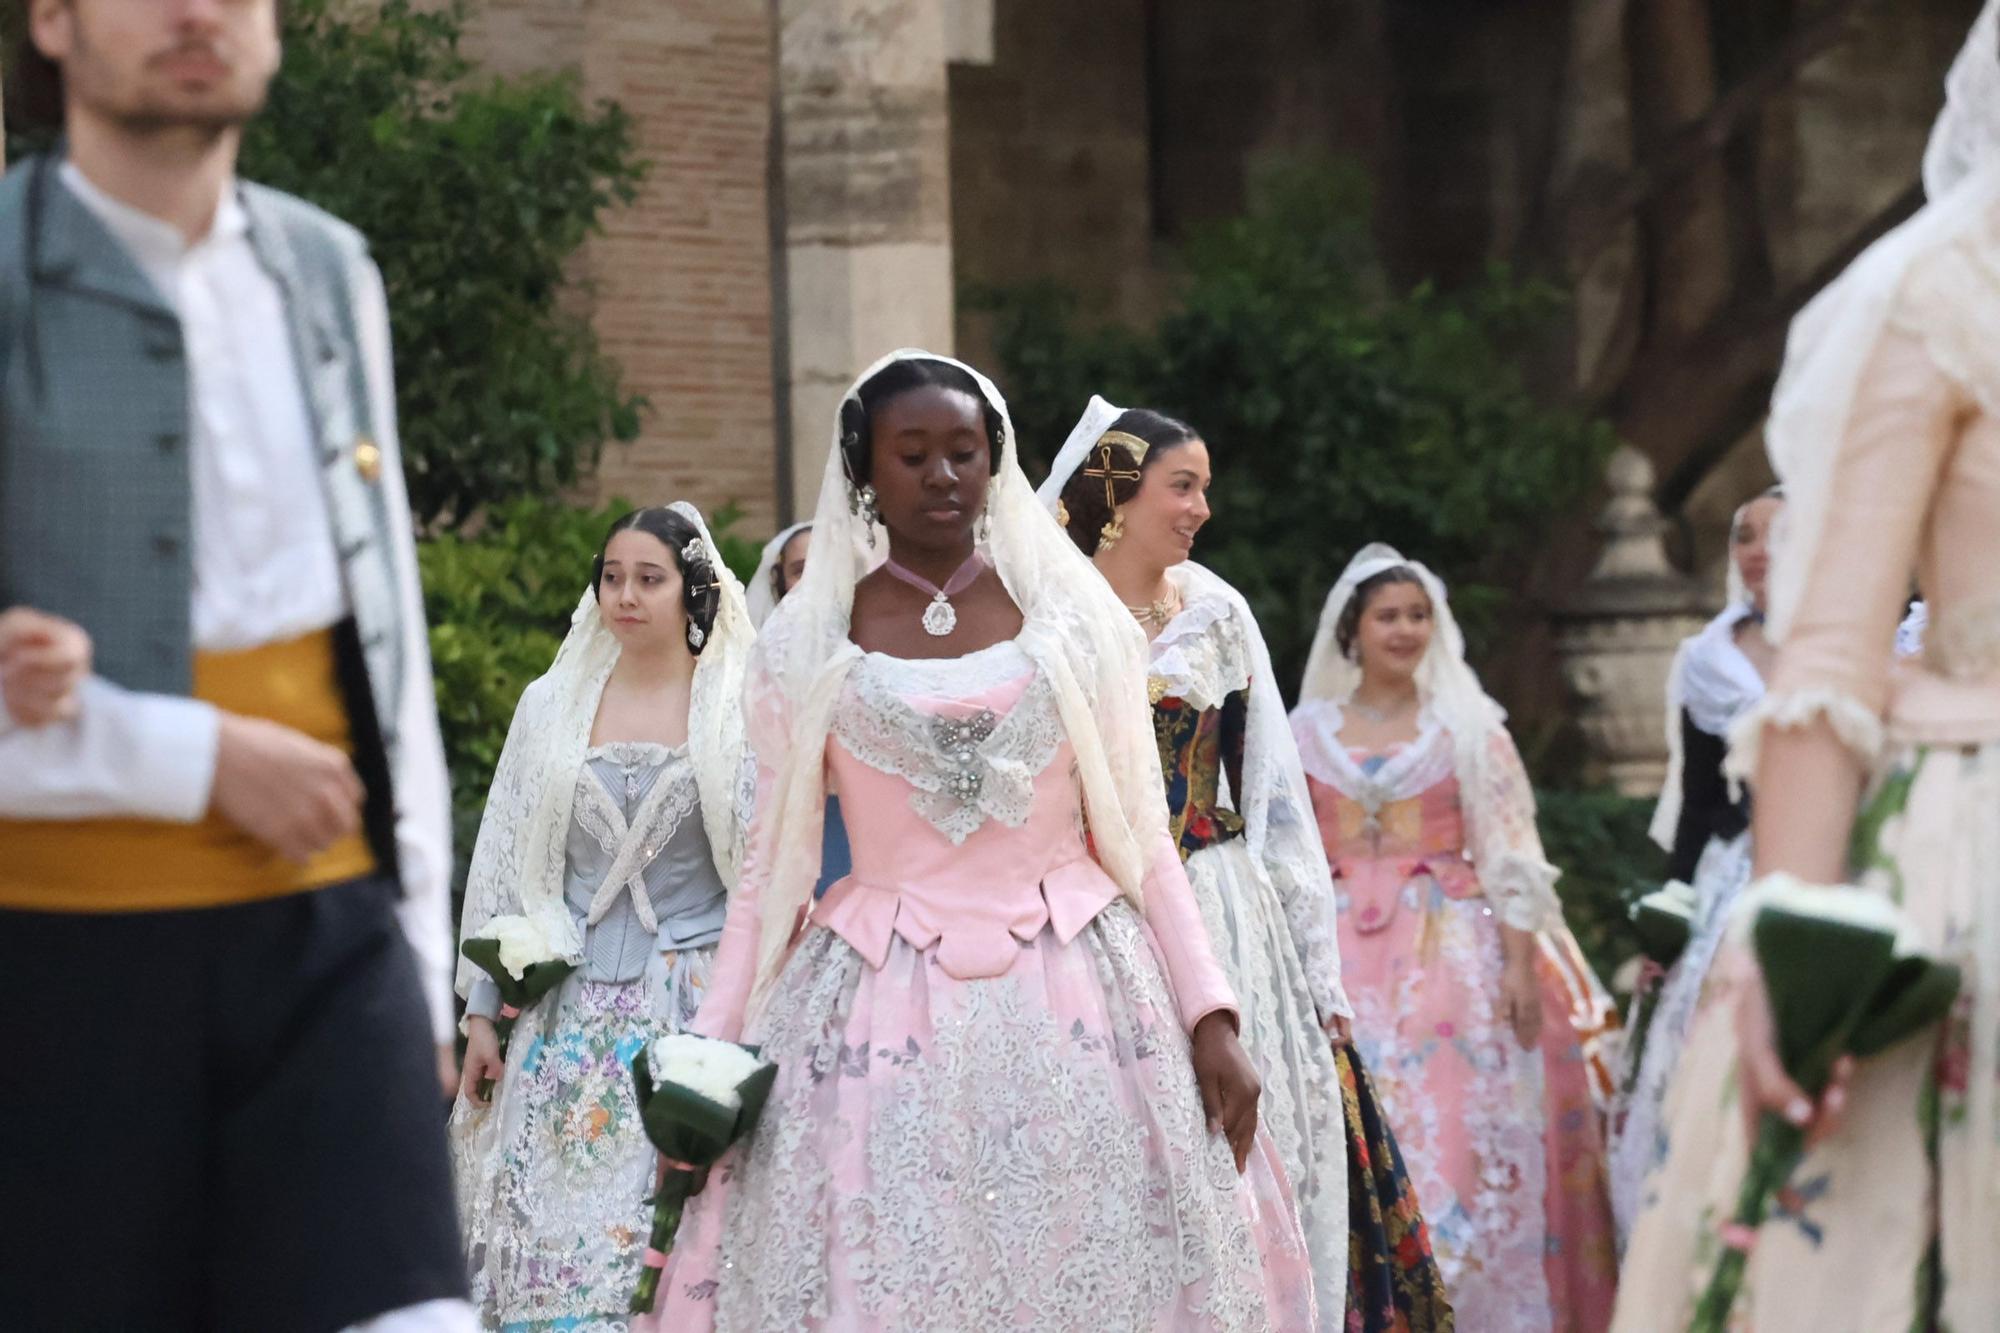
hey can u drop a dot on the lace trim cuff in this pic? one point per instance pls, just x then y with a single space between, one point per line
1858 727
1781 888
1522 890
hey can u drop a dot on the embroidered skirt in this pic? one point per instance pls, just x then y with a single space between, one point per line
553 1175
1021 1151
1893 1220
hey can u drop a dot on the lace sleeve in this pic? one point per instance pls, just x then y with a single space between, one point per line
495 874
1857 726
1506 846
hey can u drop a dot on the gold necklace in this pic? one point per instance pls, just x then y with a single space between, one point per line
1160 612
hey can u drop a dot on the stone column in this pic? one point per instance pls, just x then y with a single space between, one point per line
1617 637
867 195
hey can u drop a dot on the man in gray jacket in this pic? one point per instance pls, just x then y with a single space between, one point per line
224 854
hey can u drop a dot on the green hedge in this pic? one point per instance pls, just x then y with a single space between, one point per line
1598 838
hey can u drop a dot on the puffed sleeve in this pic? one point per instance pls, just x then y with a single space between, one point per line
1835 660
1505 843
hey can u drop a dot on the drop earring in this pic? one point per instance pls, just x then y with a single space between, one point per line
869 516
1113 532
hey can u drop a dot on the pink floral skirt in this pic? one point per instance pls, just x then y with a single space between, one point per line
1505 1146
1022 1151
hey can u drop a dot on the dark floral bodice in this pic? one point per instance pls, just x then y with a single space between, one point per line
1195 745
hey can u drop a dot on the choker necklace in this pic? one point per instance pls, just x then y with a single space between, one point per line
1370 713
939 617
1160 612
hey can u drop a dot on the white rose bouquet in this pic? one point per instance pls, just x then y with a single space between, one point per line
525 965
1664 922
697 1097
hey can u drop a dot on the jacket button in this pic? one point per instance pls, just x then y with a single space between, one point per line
168 441
167 544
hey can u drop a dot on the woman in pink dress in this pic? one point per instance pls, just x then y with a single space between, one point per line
1010 1092
1470 1001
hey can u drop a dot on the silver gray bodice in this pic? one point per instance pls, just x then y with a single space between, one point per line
686 895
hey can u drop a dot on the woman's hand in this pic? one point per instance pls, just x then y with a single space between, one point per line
1229 1086
1520 1006
1760 1072
482 1059
1339 1031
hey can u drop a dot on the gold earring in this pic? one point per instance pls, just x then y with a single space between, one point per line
1062 513
1109 535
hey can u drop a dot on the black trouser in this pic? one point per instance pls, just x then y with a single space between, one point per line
224 1118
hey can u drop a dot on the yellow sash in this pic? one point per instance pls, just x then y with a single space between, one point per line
147 865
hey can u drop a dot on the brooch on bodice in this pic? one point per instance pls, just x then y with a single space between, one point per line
959 739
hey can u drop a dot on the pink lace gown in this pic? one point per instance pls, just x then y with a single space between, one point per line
1505 1147
985 1114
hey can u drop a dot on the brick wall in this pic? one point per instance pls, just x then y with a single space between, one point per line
680 284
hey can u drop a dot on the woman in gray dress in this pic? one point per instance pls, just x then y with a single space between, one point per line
610 839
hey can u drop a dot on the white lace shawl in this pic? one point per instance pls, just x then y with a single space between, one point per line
517 861
1715 683
1494 792
1834 337
1276 806
760 595
1076 631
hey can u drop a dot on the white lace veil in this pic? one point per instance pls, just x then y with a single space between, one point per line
1276 806
1494 794
1077 633
1834 337
762 597
1083 437
517 860
1667 811
1445 681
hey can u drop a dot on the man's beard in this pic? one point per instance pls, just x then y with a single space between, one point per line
144 114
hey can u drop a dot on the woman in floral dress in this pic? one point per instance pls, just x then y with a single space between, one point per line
1131 489
1471 1006
1885 430
610 839
1717 676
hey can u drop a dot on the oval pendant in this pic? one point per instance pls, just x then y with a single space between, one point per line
939 618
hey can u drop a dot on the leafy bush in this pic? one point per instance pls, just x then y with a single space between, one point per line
475 193
1599 840
1338 412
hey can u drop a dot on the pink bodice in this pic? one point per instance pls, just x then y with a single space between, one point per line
964 819
976 898
1379 840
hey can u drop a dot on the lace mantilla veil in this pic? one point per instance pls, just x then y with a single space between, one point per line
762 598
1276 805
1667 810
1498 805
1834 337
517 861
1076 631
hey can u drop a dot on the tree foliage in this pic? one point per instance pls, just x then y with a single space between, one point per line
1337 411
475 193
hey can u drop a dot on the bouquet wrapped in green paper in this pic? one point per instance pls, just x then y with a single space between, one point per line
525 965
1845 976
1664 922
697 1097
